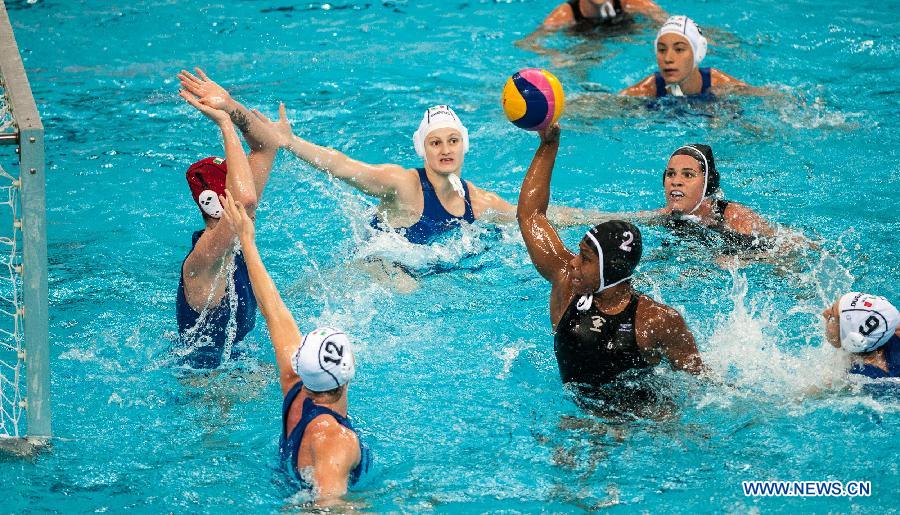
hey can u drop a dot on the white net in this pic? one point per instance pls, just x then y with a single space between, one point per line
12 350
7 125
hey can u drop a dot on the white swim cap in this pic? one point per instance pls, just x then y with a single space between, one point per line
324 360
685 27
867 321
438 117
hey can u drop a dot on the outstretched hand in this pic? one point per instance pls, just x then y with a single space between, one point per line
277 134
216 115
237 218
208 91
550 134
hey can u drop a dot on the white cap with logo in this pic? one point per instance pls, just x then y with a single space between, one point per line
686 28
867 321
324 360
438 117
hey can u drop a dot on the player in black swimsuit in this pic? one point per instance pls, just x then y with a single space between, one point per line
603 326
584 15
695 211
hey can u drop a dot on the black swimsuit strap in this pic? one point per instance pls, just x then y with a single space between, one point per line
576 9
578 15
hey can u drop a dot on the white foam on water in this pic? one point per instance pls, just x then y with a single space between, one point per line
509 354
760 351
746 349
393 247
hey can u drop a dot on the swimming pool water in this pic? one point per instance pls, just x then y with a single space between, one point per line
457 390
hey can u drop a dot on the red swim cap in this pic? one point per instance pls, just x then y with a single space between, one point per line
206 178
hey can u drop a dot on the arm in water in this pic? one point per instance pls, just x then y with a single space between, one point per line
664 330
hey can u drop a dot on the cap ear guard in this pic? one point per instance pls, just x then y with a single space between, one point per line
209 203
854 342
702 45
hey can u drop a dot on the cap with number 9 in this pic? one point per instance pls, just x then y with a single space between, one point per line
867 321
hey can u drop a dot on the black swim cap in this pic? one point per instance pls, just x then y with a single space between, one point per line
619 247
704 155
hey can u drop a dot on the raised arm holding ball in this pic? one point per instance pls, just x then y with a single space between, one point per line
602 325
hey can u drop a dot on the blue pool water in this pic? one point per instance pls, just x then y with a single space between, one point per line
457 388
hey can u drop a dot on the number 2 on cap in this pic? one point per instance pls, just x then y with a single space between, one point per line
626 245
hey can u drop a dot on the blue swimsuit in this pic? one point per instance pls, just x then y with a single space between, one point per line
289 446
435 219
704 90
891 356
208 340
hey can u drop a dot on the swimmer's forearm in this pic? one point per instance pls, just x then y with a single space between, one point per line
324 158
261 162
534 197
247 123
367 178
239 179
279 320
380 180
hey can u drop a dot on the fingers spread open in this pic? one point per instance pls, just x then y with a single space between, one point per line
188 76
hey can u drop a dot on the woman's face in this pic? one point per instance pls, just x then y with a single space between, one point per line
831 315
683 183
584 269
444 151
675 58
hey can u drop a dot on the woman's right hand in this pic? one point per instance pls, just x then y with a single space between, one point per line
216 115
550 134
237 218
209 92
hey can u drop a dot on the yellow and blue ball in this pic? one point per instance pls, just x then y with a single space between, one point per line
533 99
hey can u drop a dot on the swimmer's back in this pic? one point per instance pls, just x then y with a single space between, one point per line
891 358
304 424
